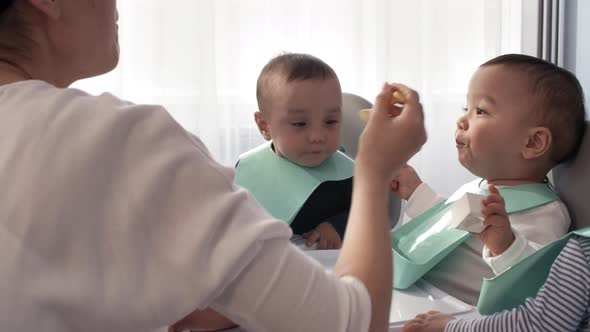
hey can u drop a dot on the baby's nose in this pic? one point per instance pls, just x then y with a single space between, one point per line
462 123
316 136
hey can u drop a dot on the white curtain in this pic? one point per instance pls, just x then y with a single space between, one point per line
201 58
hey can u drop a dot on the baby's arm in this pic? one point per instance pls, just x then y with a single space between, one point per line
561 305
408 185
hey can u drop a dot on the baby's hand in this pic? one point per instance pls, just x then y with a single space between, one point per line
388 142
406 182
325 235
498 235
432 321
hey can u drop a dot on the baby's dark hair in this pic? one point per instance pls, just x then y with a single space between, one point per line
290 67
560 101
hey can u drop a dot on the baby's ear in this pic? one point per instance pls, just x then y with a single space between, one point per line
262 125
539 140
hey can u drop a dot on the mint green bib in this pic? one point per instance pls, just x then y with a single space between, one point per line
512 287
424 241
281 186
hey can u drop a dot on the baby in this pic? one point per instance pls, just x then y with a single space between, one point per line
523 116
561 305
300 177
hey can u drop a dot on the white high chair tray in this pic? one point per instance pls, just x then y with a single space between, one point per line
407 303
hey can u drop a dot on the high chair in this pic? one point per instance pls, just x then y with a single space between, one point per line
352 127
572 182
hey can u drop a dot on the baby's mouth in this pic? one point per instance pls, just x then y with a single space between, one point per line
460 144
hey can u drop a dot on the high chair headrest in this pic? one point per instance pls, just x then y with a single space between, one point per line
352 127
572 181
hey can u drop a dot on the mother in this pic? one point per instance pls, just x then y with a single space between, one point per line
114 218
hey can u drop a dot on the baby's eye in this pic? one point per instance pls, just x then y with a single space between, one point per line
464 109
480 111
332 122
298 124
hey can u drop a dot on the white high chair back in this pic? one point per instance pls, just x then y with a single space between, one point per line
572 181
352 127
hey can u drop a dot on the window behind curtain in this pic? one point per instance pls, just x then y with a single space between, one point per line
201 58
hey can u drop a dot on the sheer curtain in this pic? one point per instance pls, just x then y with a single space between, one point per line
201 58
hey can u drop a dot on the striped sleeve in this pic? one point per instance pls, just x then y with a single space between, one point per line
561 305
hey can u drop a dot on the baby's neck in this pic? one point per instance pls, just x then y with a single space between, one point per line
513 182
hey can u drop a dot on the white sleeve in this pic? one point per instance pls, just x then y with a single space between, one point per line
223 245
532 229
284 290
422 199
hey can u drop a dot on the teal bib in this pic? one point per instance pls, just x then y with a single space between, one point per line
512 287
281 186
424 241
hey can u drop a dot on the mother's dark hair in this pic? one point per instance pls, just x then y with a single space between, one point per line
15 40
4 4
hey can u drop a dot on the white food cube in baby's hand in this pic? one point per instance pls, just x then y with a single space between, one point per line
466 213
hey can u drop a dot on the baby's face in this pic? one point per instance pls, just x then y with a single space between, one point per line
491 133
304 120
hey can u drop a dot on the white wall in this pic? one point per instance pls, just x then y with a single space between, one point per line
583 47
577 51
530 26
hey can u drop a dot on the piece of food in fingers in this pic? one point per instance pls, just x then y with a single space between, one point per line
396 98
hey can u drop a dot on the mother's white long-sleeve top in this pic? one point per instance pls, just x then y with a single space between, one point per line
114 218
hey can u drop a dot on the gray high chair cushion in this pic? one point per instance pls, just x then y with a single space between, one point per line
352 127
572 181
